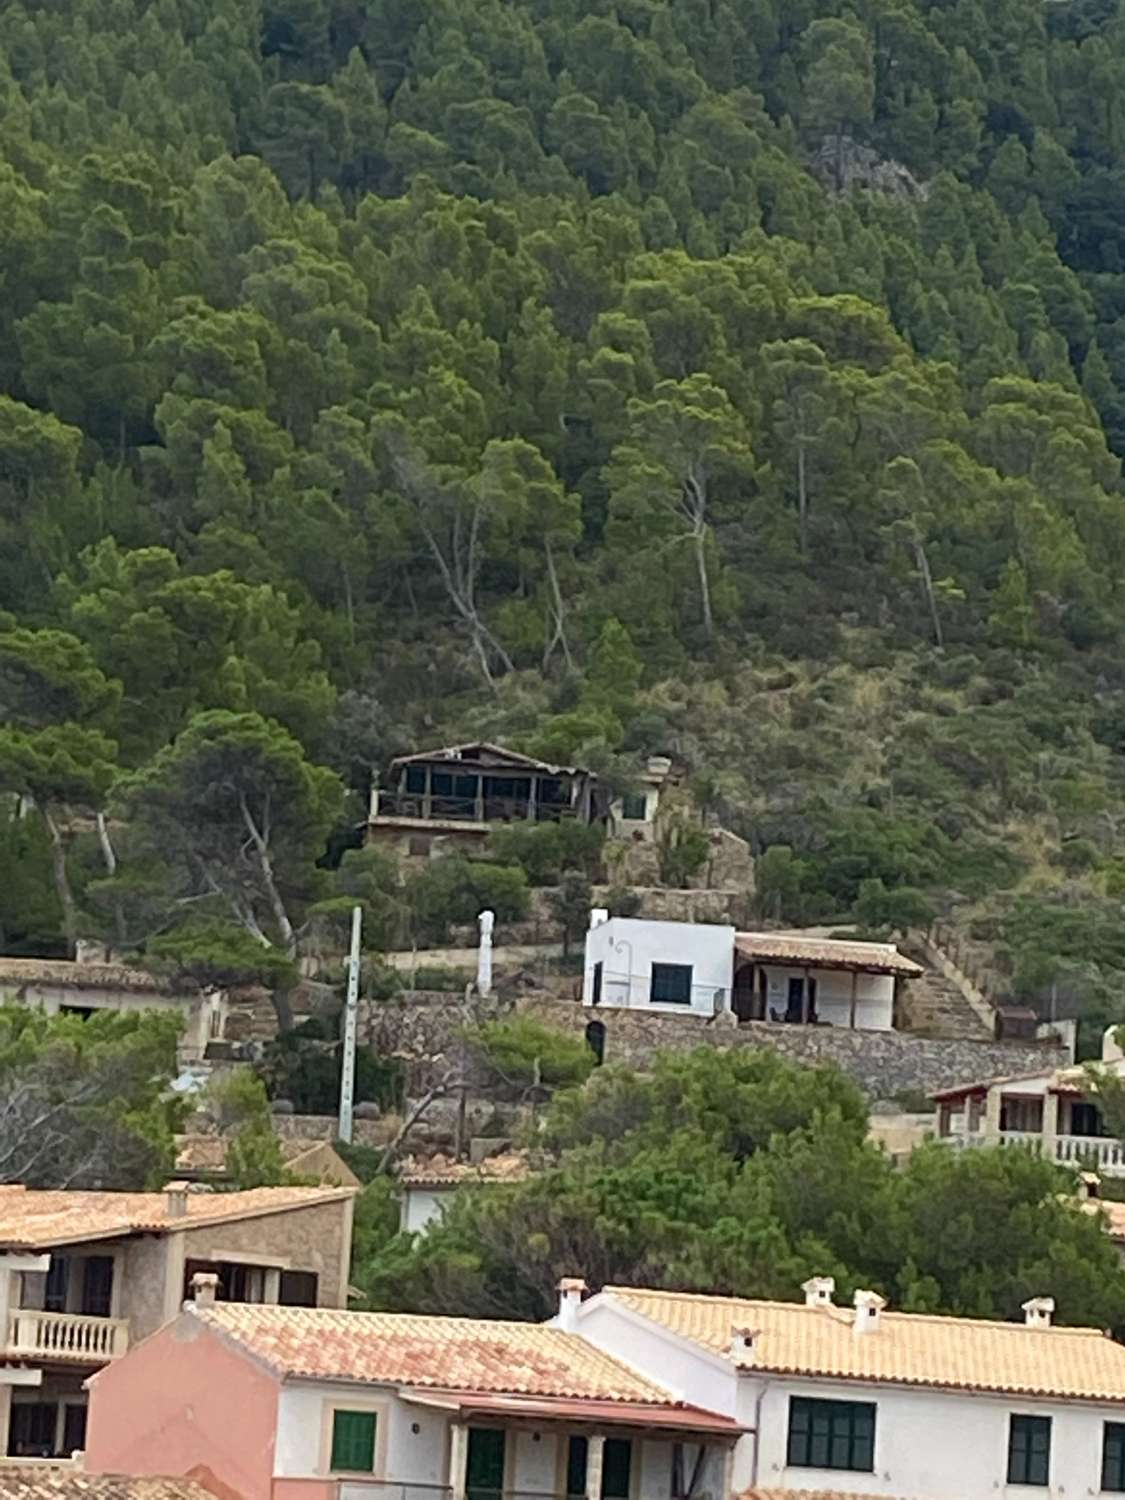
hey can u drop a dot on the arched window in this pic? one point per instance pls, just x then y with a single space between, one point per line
595 1040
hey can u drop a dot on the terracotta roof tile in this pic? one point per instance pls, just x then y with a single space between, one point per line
45 1481
906 1349
832 953
84 976
32 1219
442 1171
448 1354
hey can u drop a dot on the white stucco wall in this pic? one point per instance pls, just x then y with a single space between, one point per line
627 948
875 996
421 1206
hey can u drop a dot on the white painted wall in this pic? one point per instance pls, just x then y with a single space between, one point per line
421 1206
875 996
627 948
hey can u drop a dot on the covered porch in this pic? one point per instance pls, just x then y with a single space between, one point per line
812 981
1047 1115
517 1448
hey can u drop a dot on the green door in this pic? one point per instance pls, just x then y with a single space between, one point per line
485 1467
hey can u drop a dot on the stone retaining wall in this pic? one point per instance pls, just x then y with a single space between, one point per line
883 1063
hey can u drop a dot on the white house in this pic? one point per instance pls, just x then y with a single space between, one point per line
701 968
866 1401
1054 1113
426 1188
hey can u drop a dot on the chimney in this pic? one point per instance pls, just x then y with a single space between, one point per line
571 1291
598 915
175 1199
868 1311
818 1291
1037 1312
204 1285
742 1341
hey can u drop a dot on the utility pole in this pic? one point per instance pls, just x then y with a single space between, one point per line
347 1072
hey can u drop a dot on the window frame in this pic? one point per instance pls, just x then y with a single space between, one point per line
665 968
824 1407
1116 1431
633 800
376 1409
1028 1423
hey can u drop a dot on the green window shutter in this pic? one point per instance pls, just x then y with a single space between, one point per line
353 1441
617 1464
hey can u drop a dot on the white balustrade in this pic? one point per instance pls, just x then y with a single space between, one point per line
71 1336
1102 1153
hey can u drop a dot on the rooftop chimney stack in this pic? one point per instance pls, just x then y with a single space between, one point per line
175 1196
868 1312
818 1291
598 915
742 1341
571 1291
204 1287
1038 1311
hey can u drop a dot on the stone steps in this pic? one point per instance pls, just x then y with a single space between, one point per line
934 1006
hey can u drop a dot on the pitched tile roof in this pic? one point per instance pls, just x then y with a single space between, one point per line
30 1219
907 1349
448 1354
442 1171
826 953
47 1481
302 1155
84 976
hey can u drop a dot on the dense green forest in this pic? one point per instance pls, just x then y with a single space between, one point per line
745 381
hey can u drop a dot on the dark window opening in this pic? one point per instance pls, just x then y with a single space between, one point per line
596 983
297 1289
416 779
1113 1457
617 1468
577 1455
58 1279
97 1285
595 1040
32 1428
1029 1450
74 1429
1086 1119
634 805
484 1464
670 984
831 1434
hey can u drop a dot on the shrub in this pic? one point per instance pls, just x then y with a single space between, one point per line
544 850
524 1051
452 892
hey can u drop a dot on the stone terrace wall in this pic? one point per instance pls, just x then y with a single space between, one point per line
883 1063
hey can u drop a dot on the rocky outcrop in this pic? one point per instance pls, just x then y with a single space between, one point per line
843 165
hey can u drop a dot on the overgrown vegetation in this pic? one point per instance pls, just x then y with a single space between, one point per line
376 375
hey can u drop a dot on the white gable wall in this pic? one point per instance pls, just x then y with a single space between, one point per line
627 948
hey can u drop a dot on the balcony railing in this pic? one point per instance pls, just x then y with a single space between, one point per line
69 1336
1102 1153
392 804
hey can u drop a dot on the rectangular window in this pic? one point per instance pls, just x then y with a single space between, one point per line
297 1289
97 1285
1113 1456
1029 1449
596 984
617 1468
353 1441
831 1434
670 984
577 1453
58 1280
634 805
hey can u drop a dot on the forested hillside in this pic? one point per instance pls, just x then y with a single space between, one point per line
735 378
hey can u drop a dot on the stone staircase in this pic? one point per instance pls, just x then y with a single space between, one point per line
935 1005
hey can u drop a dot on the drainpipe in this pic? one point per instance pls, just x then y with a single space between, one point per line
758 1433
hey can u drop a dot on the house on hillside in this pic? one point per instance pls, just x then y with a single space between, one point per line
345 1405
462 792
84 1276
1053 1112
630 1394
704 969
79 988
203 1158
426 1187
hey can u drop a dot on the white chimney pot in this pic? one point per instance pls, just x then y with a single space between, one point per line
818 1291
1038 1312
868 1312
742 1341
571 1291
598 915
175 1198
204 1288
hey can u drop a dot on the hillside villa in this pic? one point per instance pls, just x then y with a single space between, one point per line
1054 1112
459 794
84 1276
630 1394
703 969
426 1187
